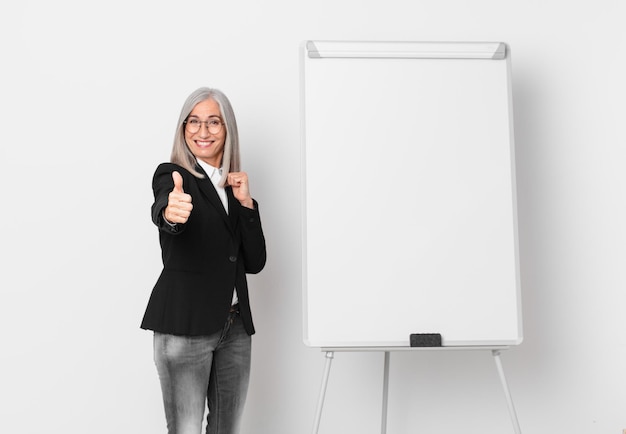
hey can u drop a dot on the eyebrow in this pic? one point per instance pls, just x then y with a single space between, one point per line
198 117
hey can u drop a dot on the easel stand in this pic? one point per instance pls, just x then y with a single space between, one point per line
495 351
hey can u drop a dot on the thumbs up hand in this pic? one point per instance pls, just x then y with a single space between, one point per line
179 204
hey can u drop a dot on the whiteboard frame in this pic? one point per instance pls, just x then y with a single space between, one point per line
406 50
395 50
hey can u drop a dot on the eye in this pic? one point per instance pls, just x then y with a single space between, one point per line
194 122
214 122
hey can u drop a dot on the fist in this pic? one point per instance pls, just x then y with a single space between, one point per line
179 204
241 190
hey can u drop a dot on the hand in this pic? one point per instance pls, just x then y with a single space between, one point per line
239 183
179 204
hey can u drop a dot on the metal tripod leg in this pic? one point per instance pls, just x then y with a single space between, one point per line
320 403
507 393
383 429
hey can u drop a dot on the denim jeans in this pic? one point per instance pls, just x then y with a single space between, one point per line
195 370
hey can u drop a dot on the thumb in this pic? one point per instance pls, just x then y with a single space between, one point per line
178 182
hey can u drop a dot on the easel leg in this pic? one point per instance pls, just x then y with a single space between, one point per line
383 429
320 403
509 400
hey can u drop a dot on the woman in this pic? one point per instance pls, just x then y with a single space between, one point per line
211 236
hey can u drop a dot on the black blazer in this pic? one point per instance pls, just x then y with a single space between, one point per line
203 259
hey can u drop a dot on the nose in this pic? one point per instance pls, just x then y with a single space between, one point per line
204 127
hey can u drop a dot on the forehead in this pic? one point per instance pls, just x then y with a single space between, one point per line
208 107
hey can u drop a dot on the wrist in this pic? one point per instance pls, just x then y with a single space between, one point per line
166 220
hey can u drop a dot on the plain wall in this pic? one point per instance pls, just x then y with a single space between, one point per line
89 97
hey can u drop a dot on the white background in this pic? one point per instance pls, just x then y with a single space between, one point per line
89 96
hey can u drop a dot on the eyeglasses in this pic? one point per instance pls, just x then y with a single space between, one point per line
214 125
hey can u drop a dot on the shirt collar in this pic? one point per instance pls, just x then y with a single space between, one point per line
211 171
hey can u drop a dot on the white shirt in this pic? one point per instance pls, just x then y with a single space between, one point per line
215 175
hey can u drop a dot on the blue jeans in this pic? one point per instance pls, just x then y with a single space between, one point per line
194 370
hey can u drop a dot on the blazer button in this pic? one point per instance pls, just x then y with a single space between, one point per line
232 258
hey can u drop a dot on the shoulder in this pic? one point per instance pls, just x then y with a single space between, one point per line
164 170
169 168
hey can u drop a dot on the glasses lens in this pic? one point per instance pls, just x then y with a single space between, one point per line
193 125
214 125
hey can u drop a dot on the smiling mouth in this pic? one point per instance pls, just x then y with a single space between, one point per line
204 143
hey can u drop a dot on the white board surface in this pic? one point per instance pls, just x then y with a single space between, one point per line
409 218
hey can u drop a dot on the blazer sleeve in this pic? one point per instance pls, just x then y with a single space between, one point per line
253 240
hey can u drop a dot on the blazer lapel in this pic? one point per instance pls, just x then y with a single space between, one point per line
209 192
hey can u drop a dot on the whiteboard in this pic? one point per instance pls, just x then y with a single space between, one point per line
409 197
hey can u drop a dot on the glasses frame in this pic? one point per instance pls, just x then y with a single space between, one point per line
220 125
